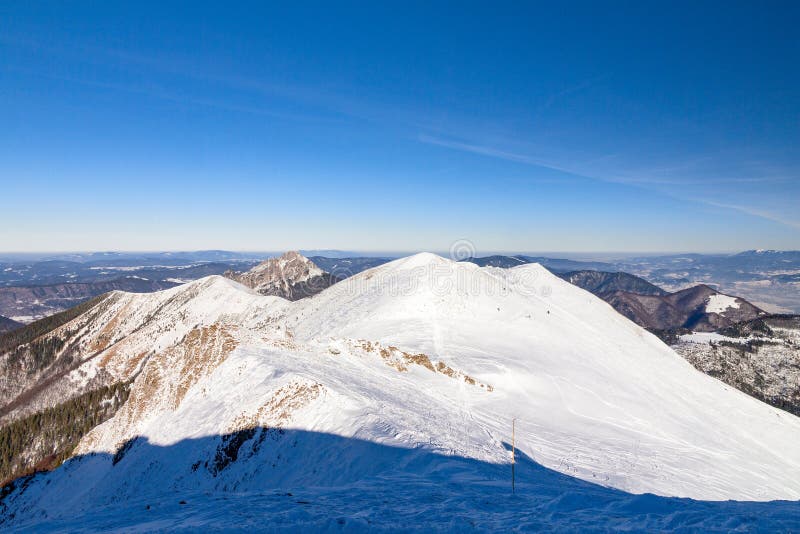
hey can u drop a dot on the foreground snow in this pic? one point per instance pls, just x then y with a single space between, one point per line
387 400
458 498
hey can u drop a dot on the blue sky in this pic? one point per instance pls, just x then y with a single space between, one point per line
400 126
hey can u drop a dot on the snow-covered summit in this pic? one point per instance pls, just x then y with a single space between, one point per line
421 354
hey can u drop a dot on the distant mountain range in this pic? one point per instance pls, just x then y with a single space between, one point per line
554 265
768 279
699 308
600 283
26 304
137 258
60 272
347 267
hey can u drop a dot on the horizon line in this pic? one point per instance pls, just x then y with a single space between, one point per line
385 252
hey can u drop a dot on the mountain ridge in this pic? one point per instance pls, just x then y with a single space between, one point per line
692 308
601 282
421 353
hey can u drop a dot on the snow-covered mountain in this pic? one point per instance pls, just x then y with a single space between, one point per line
395 391
291 276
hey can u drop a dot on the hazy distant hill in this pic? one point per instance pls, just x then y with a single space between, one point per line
700 308
552 264
68 272
599 282
769 279
347 267
34 302
6 324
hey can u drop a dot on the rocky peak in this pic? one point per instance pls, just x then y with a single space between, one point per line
291 276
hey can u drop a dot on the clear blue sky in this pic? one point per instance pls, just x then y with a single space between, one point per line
403 126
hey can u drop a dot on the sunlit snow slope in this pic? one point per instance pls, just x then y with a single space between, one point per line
423 355
594 395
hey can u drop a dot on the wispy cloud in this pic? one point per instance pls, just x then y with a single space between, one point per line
641 177
320 102
158 92
494 153
669 180
577 88
749 210
642 180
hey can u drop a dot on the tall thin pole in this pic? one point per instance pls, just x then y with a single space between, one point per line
513 452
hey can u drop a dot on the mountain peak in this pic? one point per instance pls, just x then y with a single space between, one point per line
289 258
423 259
291 276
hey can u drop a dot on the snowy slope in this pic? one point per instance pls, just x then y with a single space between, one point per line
404 376
596 396
719 303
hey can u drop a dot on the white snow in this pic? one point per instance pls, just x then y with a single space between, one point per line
709 337
719 303
595 398
83 374
713 337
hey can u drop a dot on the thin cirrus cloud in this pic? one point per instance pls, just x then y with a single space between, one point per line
701 174
764 214
493 152
333 103
650 180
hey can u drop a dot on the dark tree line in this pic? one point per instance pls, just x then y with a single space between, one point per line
26 334
43 440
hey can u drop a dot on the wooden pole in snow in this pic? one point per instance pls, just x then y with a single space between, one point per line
513 453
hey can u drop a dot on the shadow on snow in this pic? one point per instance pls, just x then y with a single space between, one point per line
275 479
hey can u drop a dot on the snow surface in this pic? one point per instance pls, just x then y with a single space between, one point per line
709 337
362 432
719 303
713 337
